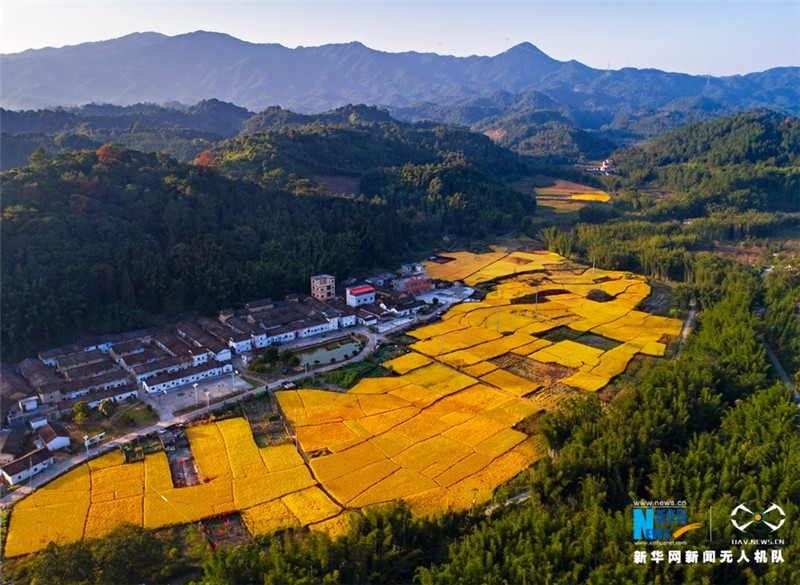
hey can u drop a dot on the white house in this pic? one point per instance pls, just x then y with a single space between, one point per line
175 379
241 342
21 469
360 295
281 335
53 436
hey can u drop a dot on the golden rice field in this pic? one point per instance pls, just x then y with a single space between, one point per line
567 190
271 486
440 434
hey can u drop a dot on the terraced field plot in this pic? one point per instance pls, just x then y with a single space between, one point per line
439 435
94 498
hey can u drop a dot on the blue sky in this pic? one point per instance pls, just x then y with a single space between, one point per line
725 37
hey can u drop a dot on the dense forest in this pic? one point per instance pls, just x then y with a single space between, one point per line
106 240
182 132
748 161
711 428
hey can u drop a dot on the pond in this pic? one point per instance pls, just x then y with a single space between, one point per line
339 349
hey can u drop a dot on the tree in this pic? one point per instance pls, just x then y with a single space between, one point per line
70 563
129 554
40 157
270 354
110 154
107 408
205 161
82 411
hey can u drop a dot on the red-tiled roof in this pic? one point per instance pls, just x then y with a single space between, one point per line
360 290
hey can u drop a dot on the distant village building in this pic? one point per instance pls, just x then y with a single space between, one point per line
416 284
382 279
323 287
360 295
413 268
608 167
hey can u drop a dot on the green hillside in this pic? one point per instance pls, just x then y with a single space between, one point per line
106 240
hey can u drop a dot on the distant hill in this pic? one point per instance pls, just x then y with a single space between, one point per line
561 112
182 132
188 68
749 161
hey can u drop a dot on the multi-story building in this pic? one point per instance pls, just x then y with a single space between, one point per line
413 285
323 287
360 295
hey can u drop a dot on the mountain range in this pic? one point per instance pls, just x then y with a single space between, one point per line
151 67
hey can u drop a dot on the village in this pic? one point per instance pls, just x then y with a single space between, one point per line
162 369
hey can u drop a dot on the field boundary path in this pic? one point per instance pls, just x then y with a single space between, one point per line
687 327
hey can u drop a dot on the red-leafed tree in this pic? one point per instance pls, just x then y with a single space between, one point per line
205 161
109 154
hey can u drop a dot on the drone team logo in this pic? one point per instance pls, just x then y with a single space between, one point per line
773 517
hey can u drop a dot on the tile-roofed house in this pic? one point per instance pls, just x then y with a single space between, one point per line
12 389
260 304
26 466
80 358
11 444
224 314
89 370
150 354
49 356
42 379
36 373
381 279
54 436
195 335
241 326
101 342
94 399
171 343
82 387
139 334
119 350
171 380
168 364
346 313
215 329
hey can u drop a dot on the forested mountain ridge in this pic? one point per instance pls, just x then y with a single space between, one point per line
493 94
749 161
102 240
183 132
